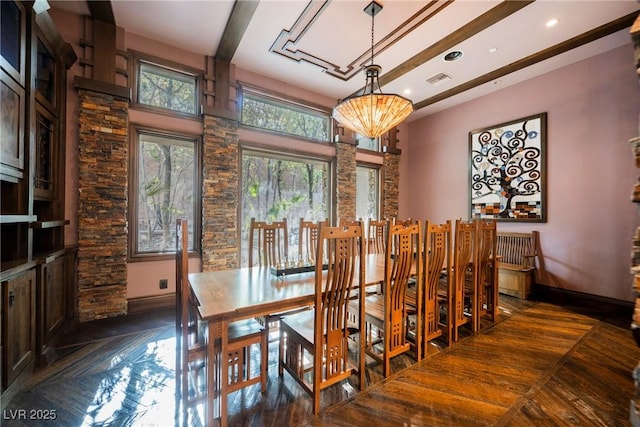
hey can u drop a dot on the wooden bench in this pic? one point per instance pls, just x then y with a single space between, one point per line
516 273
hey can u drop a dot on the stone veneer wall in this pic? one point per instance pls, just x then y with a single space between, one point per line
345 181
220 169
102 205
390 190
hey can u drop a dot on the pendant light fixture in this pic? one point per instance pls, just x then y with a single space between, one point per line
372 113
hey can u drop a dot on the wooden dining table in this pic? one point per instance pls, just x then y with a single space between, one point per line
226 296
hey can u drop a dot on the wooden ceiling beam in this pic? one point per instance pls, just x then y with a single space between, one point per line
237 24
482 22
573 43
101 10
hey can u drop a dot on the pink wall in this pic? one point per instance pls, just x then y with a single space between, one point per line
592 112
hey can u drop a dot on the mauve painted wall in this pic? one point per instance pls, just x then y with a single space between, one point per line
592 112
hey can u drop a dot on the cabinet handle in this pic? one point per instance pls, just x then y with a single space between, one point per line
12 298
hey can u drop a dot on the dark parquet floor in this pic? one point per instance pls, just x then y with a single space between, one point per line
545 363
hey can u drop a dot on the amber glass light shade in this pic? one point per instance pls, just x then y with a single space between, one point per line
372 113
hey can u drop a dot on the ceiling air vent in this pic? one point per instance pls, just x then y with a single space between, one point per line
438 78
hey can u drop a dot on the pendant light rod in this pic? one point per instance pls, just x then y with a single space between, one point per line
372 114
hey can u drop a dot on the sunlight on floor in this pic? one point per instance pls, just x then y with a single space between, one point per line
140 393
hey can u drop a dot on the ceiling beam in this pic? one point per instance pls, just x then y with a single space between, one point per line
527 61
237 24
482 22
102 11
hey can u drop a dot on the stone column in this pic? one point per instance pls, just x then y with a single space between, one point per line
390 192
345 181
102 205
220 176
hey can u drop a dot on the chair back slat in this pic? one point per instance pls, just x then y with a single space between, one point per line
516 248
376 236
268 243
308 235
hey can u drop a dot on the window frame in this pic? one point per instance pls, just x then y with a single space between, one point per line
359 138
136 131
138 59
379 169
296 104
272 152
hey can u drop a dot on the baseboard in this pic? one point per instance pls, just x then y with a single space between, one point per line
142 304
568 297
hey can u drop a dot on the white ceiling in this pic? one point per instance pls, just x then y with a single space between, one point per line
336 34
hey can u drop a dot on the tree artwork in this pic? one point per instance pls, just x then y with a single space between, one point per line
507 165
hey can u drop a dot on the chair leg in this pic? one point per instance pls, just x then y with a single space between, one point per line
281 351
264 356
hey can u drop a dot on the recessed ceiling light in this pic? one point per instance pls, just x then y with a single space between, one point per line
407 91
454 55
493 50
551 22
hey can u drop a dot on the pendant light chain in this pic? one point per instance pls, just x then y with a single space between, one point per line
372 113
373 7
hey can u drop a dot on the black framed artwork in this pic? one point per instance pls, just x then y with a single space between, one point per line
507 170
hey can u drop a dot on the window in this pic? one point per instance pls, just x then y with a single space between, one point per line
276 114
367 192
166 88
365 143
165 187
276 187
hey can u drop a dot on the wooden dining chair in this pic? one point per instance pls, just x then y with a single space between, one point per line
268 243
191 350
464 276
386 314
486 265
437 258
376 236
314 345
308 240
268 247
191 347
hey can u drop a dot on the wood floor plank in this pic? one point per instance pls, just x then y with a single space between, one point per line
540 364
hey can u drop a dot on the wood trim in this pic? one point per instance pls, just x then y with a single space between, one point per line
288 41
237 24
104 57
144 304
565 297
573 43
102 87
496 14
102 11
221 112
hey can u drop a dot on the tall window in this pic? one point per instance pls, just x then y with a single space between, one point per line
276 187
166 88
165 187
285 116
367 192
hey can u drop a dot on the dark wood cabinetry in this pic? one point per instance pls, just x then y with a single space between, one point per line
35 263
18 309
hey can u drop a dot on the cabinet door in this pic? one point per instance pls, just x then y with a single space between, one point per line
18 304
54 296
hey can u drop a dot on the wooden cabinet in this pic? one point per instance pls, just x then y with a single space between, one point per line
18 324
51 299
37 287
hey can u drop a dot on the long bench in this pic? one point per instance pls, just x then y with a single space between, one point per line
518 252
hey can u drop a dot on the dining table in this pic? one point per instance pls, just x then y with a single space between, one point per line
225 296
